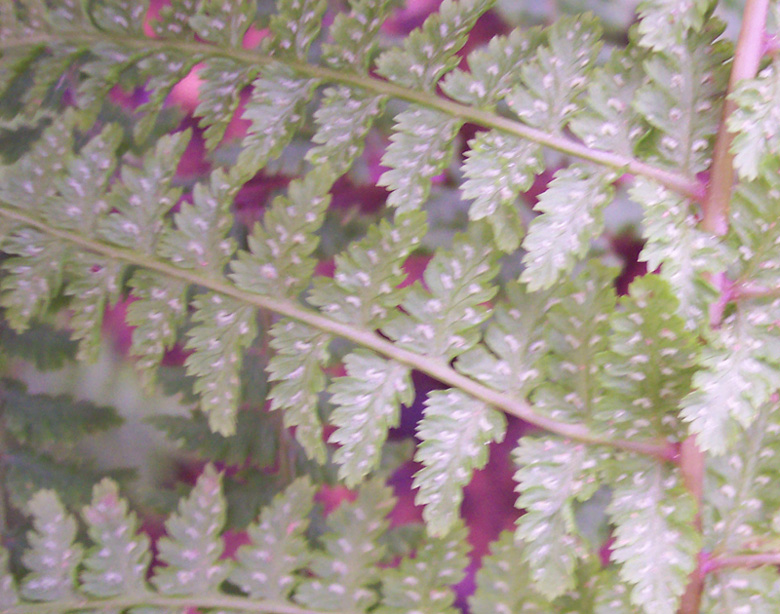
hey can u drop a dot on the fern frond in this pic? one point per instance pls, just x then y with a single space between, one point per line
454 434
423 583
223 24
198 240
53 558
655 540
755 144
276 110
572 215
254 442
516 343
367 403
493 70
155 316
224 328
30 182
29 471
666 23
648 368
558 75
420 149
738 374
139 202
219 96
553 476
753 590
429 52
345 571
683 97
684 252
442 321
268 567
498 168
577 333
193 546
740 505
279 260
494 595
118 562
610 121
363 295
120 16
301 352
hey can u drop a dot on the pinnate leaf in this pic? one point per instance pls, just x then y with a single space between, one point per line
572 214
268 567
454 434
279 260
368 296
577 331
429 51
295 26
655 539
552 477
367 403
296 369
554 81
53 557
738 375
494 595
156 315
648 368
141 199
756 144
683 252
515 343
118 562
682 97
442 321
33 275
198 240
498 168
665 23
192 547
751 590
354 35
219 96
609 121
276 111
346 569
122 16
223 23
494 69
343 120
423 583
224 328
42 419
420 149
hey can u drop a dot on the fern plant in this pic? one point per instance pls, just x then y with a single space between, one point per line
648 482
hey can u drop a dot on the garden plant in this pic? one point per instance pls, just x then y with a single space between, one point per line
369 245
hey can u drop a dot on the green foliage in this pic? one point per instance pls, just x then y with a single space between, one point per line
454 434
192 548
553 476
367 403
659 409
655 540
